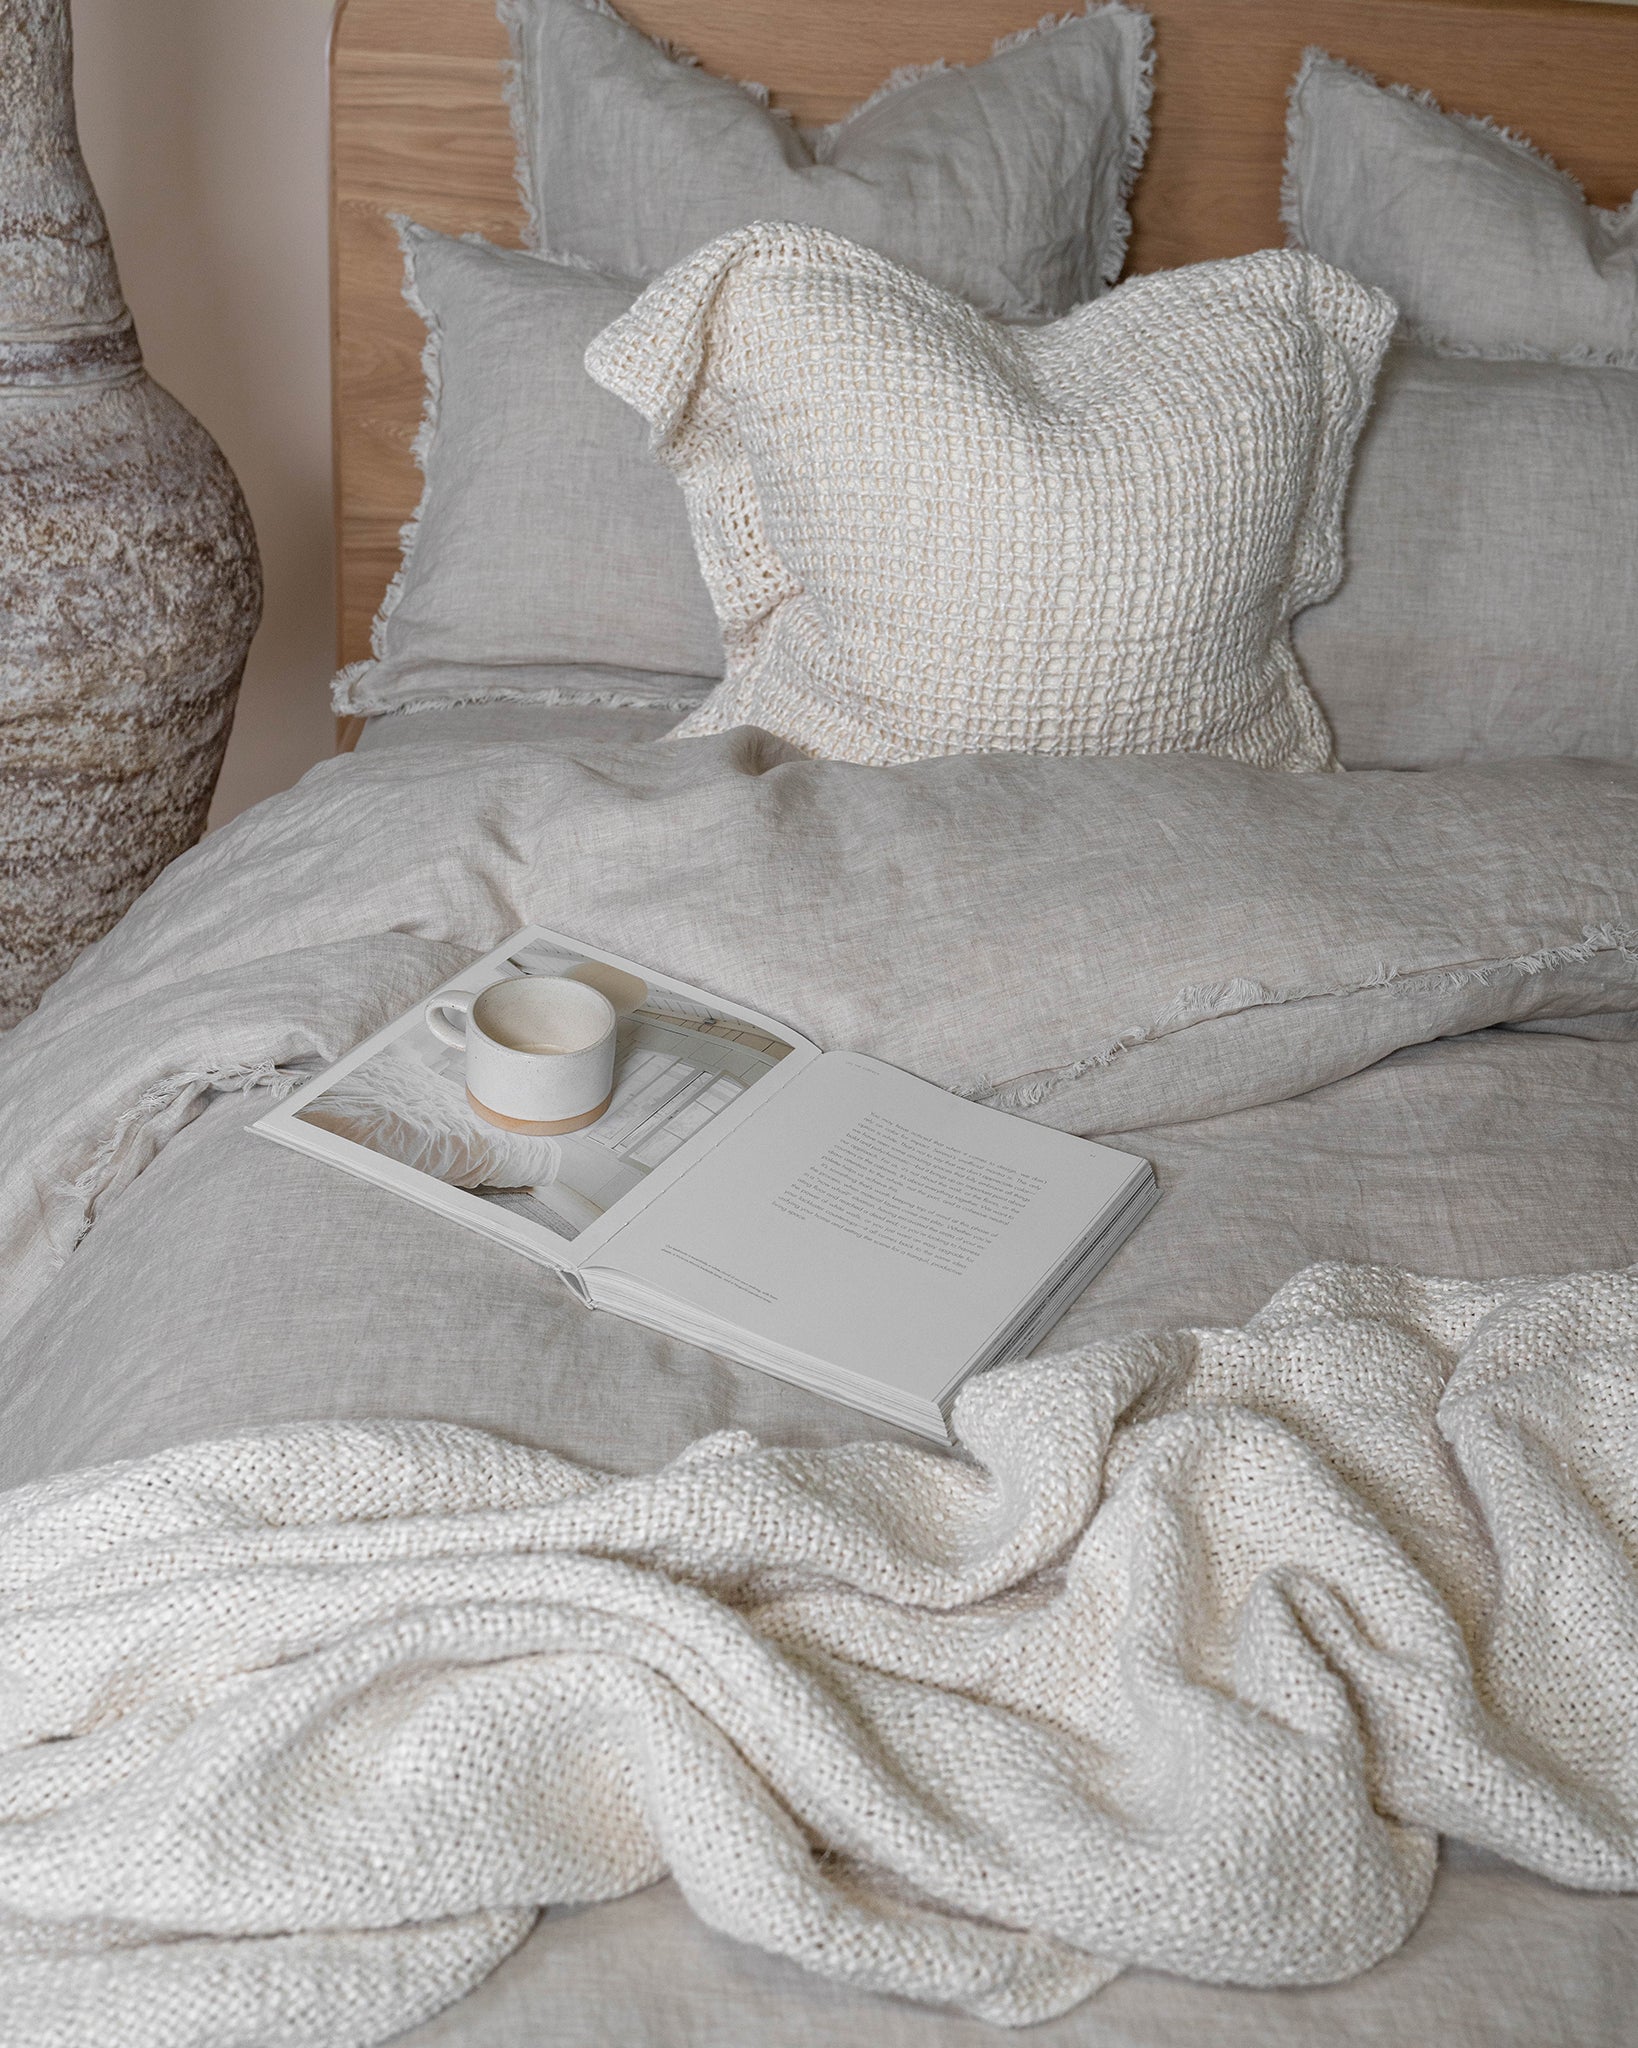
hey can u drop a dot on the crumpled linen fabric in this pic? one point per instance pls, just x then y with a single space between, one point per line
1187 1662
1104 945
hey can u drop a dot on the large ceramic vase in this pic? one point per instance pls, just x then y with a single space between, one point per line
129 581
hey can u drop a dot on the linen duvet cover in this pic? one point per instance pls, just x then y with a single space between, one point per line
1376 1020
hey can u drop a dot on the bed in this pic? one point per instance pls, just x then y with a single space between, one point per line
1464 1106
419 125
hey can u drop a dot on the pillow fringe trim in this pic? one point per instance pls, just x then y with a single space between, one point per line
344 696
1192 1006
1616 219
102 1174
1584 357
410 236
822 141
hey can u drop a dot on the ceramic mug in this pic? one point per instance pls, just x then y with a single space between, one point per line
539 1051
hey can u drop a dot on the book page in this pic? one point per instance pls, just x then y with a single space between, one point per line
396 1109
868 1219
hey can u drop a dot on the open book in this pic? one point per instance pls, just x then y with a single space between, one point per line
819 1215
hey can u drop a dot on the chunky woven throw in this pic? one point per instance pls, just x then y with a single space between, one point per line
1187 1662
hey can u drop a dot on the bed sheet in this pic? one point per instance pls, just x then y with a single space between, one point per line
235 1283
1500 1960
175 1329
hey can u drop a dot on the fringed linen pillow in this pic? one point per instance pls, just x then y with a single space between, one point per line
1488 248
549 558
1004 181
1489 608
928 533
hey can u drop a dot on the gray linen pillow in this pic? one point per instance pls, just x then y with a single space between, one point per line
1004 182
1487 248
546 534
1490 606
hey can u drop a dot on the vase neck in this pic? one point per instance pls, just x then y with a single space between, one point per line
63 318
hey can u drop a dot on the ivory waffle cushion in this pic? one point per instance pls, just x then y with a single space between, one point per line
547 541
928 533
1005 182
1488 248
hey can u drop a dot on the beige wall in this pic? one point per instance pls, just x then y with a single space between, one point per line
204 126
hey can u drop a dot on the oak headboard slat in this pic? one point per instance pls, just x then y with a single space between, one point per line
419 125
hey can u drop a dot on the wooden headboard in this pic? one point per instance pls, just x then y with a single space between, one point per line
418 125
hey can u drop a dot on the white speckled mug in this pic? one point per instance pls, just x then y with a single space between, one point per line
539 1051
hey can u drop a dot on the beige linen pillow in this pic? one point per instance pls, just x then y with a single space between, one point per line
1490 606
1005 182
929 533
1487 247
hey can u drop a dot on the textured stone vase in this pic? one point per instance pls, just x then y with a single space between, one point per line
129 580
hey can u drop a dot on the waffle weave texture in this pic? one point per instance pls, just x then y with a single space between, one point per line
926 532
1185 1664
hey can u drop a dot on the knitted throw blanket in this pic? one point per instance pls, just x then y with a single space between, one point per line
1187 1662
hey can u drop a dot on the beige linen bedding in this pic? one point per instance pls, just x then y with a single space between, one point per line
1352 1090
981 1731
1102 945
549 554
236 1283
1487 608
1488 603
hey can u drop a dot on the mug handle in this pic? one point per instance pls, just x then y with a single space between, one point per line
459 1001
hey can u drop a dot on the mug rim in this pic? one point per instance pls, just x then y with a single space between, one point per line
609 1015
